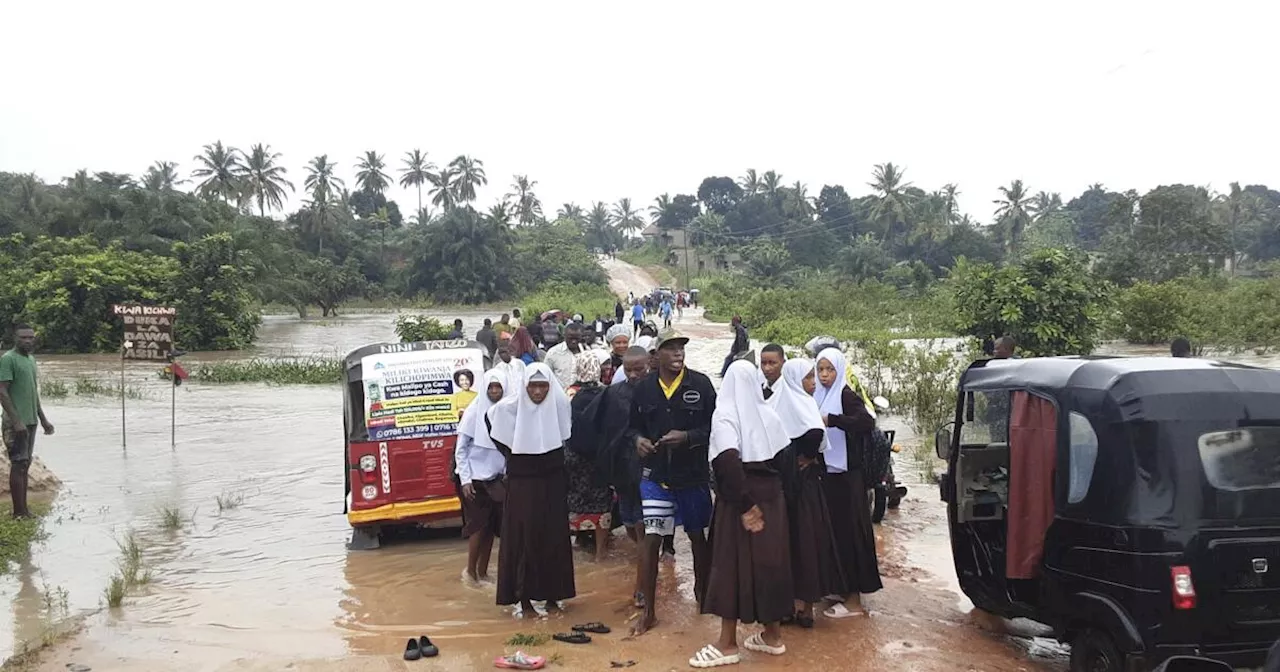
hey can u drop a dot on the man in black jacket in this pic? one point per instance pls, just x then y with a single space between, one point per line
670 427
741 343
488 337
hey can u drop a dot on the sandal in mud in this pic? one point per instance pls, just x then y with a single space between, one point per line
594 627
520 661
572 637
838 610
756 643
710 656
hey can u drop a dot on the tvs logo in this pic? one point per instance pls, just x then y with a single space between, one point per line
432 444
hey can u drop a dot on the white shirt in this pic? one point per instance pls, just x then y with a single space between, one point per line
476 463
563 363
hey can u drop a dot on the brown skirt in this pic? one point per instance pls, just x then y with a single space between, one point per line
750 579
854 536
815 568
535 561
484 512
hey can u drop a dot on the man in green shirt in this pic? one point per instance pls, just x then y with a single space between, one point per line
20 399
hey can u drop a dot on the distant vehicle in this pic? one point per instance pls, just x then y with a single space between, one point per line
1133 504
401 407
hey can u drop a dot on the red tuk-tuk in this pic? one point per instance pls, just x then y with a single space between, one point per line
402 403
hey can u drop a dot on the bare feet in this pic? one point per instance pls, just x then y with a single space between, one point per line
644 624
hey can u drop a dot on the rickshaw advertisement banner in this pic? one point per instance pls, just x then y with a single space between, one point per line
420 393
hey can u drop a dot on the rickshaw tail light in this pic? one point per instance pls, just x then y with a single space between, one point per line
1184 590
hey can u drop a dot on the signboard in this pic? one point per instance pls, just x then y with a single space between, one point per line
418 393
148 331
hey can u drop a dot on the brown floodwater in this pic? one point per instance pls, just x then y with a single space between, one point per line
268 582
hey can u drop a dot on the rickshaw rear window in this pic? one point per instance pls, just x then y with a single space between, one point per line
1247 458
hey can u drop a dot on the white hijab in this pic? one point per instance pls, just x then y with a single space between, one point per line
528 428
471 424
798 411
742 421
830 402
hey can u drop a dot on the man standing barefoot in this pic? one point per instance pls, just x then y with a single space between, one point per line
670 427
20 399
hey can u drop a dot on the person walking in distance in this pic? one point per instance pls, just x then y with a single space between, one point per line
456 334
637 317
488 337
670 426
741 342
20 399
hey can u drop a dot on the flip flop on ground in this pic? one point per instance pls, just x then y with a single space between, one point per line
572 637
520 661
595 627
710 656
756 643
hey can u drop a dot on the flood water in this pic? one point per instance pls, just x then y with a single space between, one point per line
269 580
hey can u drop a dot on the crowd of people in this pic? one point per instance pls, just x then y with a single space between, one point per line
583 440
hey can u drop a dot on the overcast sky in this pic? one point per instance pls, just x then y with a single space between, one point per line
600 100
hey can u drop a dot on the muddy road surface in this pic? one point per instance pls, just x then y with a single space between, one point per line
255 575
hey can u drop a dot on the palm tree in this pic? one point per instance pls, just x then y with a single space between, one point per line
370 178
381 220
470 174
770 182
264 180
528 208
626 218
424 217
750 182
79 183
949 193
322 184
220 167
1012 213
599 228
161 176
499 215
443 193
891 206
572 212
660 206
1045 204
414 173
801 206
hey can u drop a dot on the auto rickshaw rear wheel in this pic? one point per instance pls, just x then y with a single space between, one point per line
1093 651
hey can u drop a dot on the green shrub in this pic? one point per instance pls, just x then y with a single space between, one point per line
309 371
585 298
1153 313
420 328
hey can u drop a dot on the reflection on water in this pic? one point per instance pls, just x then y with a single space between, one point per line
271 576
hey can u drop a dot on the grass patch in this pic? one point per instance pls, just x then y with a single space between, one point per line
652 258
528 639
115 591
88 387
130 573
230 500
16 536
171 519
54 389
308 371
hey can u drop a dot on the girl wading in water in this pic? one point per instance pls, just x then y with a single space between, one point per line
815 569
750 577
480 471
530 428
848 431
590 500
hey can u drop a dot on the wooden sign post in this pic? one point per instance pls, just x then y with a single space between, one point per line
148 336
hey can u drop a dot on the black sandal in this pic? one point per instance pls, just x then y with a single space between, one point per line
428 649
593 627
805 621
574 638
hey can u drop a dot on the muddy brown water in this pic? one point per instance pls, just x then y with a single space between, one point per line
269 583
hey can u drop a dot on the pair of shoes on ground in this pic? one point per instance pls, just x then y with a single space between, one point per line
420 648
579 634
710 656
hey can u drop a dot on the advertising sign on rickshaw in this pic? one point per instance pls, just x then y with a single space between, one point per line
418 394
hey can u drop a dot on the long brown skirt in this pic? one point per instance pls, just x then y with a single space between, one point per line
535 561
815 568
750 578
854 536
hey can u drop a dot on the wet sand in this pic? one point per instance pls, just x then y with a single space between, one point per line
267 584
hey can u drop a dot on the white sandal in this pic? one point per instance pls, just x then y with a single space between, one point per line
710 656
756 643
838 610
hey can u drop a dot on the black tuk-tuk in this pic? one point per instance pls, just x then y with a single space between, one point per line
1131 503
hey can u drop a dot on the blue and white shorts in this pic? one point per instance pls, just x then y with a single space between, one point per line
666 508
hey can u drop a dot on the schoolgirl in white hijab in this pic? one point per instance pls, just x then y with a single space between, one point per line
797 410
750 577
535 561
480 466
528 427
831 402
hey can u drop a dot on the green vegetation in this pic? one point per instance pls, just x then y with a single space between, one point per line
172 518
17 535
228 501
130 571
420 328
585 298
55 388
526 639
306 371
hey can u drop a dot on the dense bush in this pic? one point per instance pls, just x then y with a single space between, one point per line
1048 301
585 298
1152 313
420 328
